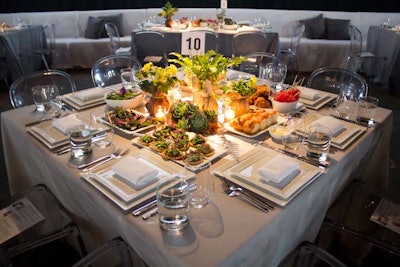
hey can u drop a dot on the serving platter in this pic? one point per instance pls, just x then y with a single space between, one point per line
244 174
123 195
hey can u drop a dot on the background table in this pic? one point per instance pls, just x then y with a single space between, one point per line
386 43
17 52
173 41
227 232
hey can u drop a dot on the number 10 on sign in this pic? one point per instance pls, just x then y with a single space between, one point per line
193 43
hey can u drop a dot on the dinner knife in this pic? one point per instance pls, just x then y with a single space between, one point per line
314 162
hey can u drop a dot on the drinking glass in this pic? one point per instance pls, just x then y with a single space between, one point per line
346 104
204 181
44 96
366 110
98 122
275 74
173 203
80 137
318 143
128 78
295 123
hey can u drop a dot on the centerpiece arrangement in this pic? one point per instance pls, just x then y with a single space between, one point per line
157 81
168 11
236 93
205 73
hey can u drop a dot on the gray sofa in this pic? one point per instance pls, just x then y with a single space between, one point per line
74 50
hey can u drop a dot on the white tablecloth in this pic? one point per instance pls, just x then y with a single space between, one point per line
227 232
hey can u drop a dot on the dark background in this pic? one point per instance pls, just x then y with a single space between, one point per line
8 6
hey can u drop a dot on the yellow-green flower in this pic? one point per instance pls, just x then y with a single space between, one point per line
154 79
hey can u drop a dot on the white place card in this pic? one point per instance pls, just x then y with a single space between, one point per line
193 43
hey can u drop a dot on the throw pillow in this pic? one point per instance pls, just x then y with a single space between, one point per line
314 27
337 29
95 26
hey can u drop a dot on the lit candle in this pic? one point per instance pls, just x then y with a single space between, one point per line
160 113
229 113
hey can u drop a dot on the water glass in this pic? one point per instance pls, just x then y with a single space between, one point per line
99 123
128 78
292 141
366 110
346 104
80 138
275 74
204 182
173 203
318 143
44 96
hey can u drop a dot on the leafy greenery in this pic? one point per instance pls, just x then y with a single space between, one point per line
187 116
209 66
154 79
122 94
168 11
244 87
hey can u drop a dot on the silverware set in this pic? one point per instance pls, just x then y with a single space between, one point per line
233 190
102 160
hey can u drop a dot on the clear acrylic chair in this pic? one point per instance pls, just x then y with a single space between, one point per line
334 80
48 44
358 59
308 254
53 239
149 46
21 89
115 42
107 70
115 252
256 63
290 54
248 42
349 233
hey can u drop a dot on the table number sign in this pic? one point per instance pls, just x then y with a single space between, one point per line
224 4
193 43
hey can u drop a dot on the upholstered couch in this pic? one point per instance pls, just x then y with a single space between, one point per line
74 50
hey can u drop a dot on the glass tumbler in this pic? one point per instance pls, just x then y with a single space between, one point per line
99 123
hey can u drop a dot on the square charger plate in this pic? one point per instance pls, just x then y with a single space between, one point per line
318 103
78 104
125 196
344 139
245 175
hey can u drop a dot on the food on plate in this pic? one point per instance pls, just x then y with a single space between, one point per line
146 139
182 144
122 94
261 97
288 95
172 153
128 119
254 122
197 140
159 146
163 132
206 149
194 158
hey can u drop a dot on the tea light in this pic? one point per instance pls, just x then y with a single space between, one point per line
160 113
229 113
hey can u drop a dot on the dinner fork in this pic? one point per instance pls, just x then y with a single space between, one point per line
232 147
242 197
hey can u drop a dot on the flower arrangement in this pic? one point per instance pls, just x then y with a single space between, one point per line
244 87
168 11
156 80
210 66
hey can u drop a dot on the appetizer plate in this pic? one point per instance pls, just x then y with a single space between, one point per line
217 146
123 195
229 128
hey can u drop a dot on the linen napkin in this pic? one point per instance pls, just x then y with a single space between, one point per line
62 124
278 168
308 93
90 94
335 126
134 172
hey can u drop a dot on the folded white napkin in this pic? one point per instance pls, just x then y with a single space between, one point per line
134 172
90 94
278 168
62 124
308 93
335 126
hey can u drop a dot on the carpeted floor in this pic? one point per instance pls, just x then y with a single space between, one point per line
83 80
